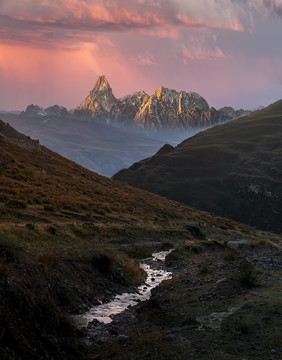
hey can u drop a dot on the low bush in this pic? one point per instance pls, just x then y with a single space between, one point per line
48 259
196 232
246 277
49 207
16 204
10 250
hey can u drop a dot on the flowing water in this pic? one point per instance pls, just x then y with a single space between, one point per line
156 273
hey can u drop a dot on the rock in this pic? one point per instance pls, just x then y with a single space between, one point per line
171 337
238 242
122 338
222 280
273 351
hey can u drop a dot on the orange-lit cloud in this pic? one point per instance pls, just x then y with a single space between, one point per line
56 19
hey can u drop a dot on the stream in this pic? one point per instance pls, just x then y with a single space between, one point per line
104 313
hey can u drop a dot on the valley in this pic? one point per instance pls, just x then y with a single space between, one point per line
106 134
140 180
70 239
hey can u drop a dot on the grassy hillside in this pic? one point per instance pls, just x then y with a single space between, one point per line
233 170
69 238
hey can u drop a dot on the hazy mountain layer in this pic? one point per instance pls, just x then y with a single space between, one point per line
97 146
106 134
233 170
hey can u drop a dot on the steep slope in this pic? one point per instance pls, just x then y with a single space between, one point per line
233 170
44 185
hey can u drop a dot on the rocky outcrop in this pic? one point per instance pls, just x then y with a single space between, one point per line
125 109
165 109
229 113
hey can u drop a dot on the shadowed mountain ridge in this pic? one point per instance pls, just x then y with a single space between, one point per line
233 170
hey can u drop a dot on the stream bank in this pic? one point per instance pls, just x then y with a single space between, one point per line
219 305
102 321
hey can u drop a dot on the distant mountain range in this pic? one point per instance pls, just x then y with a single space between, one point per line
106 134
233 170
165 109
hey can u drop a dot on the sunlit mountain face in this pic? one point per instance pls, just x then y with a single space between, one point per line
107 134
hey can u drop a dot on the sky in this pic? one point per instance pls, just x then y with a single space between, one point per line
228 51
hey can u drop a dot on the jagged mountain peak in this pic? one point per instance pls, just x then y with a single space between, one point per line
165 93
100 99
102 84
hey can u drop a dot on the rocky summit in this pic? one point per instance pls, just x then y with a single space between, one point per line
165 109
101 98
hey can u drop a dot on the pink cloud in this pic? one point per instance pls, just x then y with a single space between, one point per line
267 7
153 17
42 76
51 51
200 53
165 33
145 59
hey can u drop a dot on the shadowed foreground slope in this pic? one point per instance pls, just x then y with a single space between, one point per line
69 239
233 170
